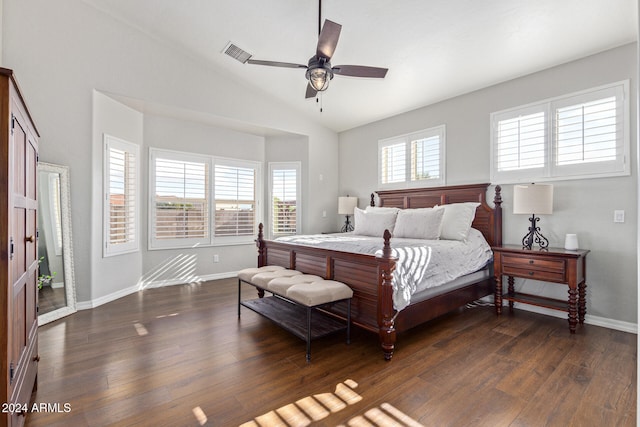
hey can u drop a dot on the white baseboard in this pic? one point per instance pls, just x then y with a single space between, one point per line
86 305
588 319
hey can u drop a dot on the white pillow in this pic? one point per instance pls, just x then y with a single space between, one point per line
457 220
381 209
425 223
373 223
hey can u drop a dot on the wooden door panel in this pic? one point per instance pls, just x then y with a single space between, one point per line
19 146
18 262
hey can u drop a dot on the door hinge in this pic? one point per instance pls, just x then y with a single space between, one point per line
13 123
37 233
11 372
11 248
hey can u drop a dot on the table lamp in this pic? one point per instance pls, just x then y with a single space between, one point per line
533 199
346 206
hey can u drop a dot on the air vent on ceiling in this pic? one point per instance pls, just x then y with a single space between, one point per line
236 53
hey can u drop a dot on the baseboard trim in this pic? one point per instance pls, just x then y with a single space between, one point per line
588 318
87 305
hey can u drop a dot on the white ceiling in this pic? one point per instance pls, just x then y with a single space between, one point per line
434 49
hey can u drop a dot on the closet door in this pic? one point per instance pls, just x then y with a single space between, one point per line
23 261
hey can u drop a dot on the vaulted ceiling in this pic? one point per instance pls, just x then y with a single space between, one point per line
434 49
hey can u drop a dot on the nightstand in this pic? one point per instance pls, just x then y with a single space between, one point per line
549 265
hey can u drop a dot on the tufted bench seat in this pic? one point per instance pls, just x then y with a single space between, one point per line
293 294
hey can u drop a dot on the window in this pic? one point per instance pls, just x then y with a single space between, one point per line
121 166
236 198
184 190
180 199
415 159
582 135
284 197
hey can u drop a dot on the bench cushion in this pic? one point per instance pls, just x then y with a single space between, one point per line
319 292
280 285
263 279
247 273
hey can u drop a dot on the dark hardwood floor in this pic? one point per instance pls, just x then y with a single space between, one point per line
179 356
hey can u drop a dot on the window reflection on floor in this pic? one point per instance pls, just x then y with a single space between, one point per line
314 408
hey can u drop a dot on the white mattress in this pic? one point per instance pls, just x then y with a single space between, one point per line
422 264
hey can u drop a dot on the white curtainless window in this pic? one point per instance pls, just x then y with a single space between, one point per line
415 159
580 135
121 183
284 198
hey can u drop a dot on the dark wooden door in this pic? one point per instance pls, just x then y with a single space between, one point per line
23 265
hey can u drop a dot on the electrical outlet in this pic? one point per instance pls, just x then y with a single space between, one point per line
216 258
324 214
618 216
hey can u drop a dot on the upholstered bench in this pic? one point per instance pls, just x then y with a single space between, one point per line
294 294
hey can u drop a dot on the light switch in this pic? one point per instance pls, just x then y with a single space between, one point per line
618 216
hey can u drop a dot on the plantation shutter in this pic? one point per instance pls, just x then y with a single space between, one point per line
521 142
589 132
425 158
181 200
121 184
392 162
235 200
284 200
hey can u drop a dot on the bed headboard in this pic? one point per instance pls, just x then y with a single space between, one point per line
488 220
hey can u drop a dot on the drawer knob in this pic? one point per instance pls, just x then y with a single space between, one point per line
530 261
36 358
531 273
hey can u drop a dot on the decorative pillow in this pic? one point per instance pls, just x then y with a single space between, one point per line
425 223
457 220
381 209
374 223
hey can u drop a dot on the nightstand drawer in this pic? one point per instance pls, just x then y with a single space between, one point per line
530 263
534 273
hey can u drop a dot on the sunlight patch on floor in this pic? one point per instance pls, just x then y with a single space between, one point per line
200 415
319 406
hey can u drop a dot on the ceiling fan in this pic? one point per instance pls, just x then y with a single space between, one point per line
319 70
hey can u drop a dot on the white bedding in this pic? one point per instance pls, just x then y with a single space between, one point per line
422 264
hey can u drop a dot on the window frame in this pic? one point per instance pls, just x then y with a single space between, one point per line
211 162
407 140
273 166
238 163
176 243
132 246
551 171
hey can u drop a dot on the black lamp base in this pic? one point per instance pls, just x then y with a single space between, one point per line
347 226
534 236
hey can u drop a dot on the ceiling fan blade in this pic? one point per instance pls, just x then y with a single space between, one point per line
311 92
276 64
328 39
360 71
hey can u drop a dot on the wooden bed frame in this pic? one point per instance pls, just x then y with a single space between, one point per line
371 276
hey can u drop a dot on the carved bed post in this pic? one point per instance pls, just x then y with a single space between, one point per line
260 244
373 199
386 312
497 216
262 254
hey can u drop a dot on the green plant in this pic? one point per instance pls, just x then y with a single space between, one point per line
44 279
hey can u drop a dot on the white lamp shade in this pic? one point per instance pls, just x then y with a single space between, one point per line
347 204
533 199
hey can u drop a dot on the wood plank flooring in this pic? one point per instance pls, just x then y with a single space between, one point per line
179 356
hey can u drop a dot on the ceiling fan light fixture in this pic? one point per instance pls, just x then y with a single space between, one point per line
319 78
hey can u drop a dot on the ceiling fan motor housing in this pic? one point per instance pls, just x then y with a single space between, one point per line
319 73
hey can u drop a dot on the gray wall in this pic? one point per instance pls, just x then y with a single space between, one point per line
584 207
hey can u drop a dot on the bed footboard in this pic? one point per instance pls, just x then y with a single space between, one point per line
369 276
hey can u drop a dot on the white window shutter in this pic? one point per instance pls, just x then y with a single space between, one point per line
235 200
121 196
